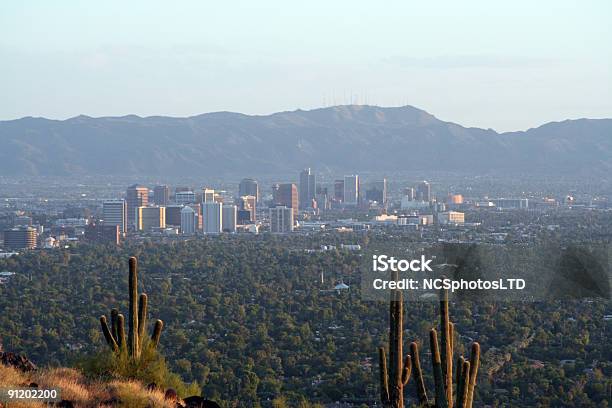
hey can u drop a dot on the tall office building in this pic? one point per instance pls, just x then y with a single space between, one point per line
208 195
281 219
20 238
248 187
423 191
150 218
185 197
248 203
102 233
286 195
378 192
213 217
307 189
161 195
351 190
409 193
114 212
136 196
229 218
173 214
339 190
188 220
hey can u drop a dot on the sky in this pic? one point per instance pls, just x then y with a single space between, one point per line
506 65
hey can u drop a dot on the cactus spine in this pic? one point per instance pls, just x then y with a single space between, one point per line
137 320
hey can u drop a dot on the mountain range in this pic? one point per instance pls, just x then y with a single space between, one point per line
340 138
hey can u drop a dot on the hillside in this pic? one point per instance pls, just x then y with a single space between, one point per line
341 138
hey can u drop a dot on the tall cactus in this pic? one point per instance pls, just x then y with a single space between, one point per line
442 357
442 362
396 376
137 320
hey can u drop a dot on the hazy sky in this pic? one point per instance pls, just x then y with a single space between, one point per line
505 65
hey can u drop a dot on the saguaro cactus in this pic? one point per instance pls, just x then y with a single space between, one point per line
442 357
396 376
137 320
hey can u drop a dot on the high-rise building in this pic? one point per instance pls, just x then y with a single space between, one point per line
281 219
423 192
409 194
351 190
188 220
286 195
173 215
208 195
20 238
185 197
248 203
150 218
229 218
161 195
248 187
339 190
378 192
307 189
213 217
114 212
136 196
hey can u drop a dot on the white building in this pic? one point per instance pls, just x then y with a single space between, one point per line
213 217
188 220
230 214
114 212
281 219
351 189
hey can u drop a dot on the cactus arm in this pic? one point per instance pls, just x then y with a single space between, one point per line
121 331
474 364
462 388
114 314
107 334
133 311
451 330
142 318
384 379
157 329
441 401
418 374
459 367
447 349
407 370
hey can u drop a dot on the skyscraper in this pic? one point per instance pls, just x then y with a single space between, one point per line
423 191
378 192
339 190
229 216
185 197
150 218
173 215
248 187
161 195
208 195
351 190
286 195
136 196
307 188
281 219
114 212
188 221
248 203
213 217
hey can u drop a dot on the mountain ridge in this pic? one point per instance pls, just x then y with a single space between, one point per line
340 138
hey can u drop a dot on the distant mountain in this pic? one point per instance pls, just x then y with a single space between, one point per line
341 138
